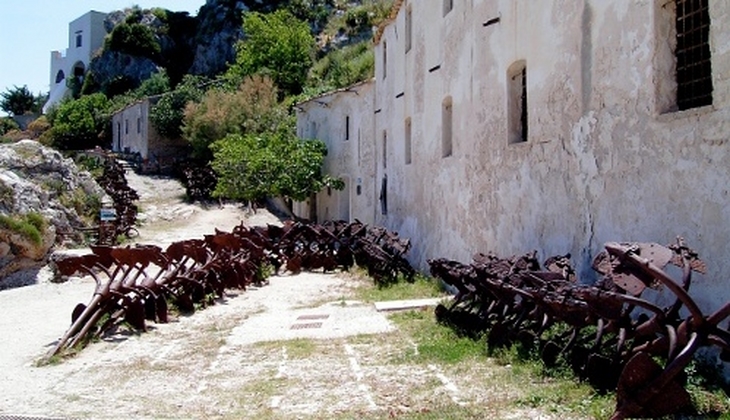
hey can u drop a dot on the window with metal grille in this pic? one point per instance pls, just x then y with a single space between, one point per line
694 70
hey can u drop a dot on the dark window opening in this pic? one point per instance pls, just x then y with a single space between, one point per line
385 149
384 195
409 28
60 76
694 70
347 127
126 126
385 59
139 125
447 117
408 141
358 189
78 40
523 107
517 103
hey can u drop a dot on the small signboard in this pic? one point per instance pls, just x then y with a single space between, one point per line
108 215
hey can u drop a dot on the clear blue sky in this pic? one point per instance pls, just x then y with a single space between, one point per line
31 29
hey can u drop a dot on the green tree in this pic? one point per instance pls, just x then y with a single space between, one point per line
19 100
278 45
157 84
255 166
168 113
81 123
251 109
133 39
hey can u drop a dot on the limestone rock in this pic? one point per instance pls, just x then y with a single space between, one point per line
37 179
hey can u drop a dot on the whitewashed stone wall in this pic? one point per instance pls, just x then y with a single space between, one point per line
606 157
133 132
350 152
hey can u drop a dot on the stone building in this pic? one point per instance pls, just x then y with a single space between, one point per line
343 119
513 125
85 36
133 133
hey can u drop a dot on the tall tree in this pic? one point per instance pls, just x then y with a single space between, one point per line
19 100
278 45
81 123
250 109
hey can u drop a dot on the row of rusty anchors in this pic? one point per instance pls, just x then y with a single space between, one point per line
609 334
382 253
114 183
135 284
339 245
305 246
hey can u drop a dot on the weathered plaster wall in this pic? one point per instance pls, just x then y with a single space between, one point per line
607 155
350 151
132 129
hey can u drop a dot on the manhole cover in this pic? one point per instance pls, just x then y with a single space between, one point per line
307 325
311 317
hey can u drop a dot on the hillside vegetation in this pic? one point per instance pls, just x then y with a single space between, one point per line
226 81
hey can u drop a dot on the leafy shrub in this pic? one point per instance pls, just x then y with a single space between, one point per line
255 166
252 108
39 126
133 39
81 123
344 67
7 124
168 113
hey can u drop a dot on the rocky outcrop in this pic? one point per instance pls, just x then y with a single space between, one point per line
37 179
117 67
219 29
123 64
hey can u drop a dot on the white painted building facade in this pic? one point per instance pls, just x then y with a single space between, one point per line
559 125
344 121
134 133
85 36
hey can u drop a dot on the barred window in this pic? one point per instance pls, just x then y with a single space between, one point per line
694 70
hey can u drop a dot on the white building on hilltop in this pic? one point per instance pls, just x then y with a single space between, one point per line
551 125
85 36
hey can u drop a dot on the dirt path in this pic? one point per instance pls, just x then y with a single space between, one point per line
180 369
296 348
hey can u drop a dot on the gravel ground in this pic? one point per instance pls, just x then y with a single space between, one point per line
296 348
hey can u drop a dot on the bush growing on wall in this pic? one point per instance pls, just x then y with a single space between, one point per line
133 39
